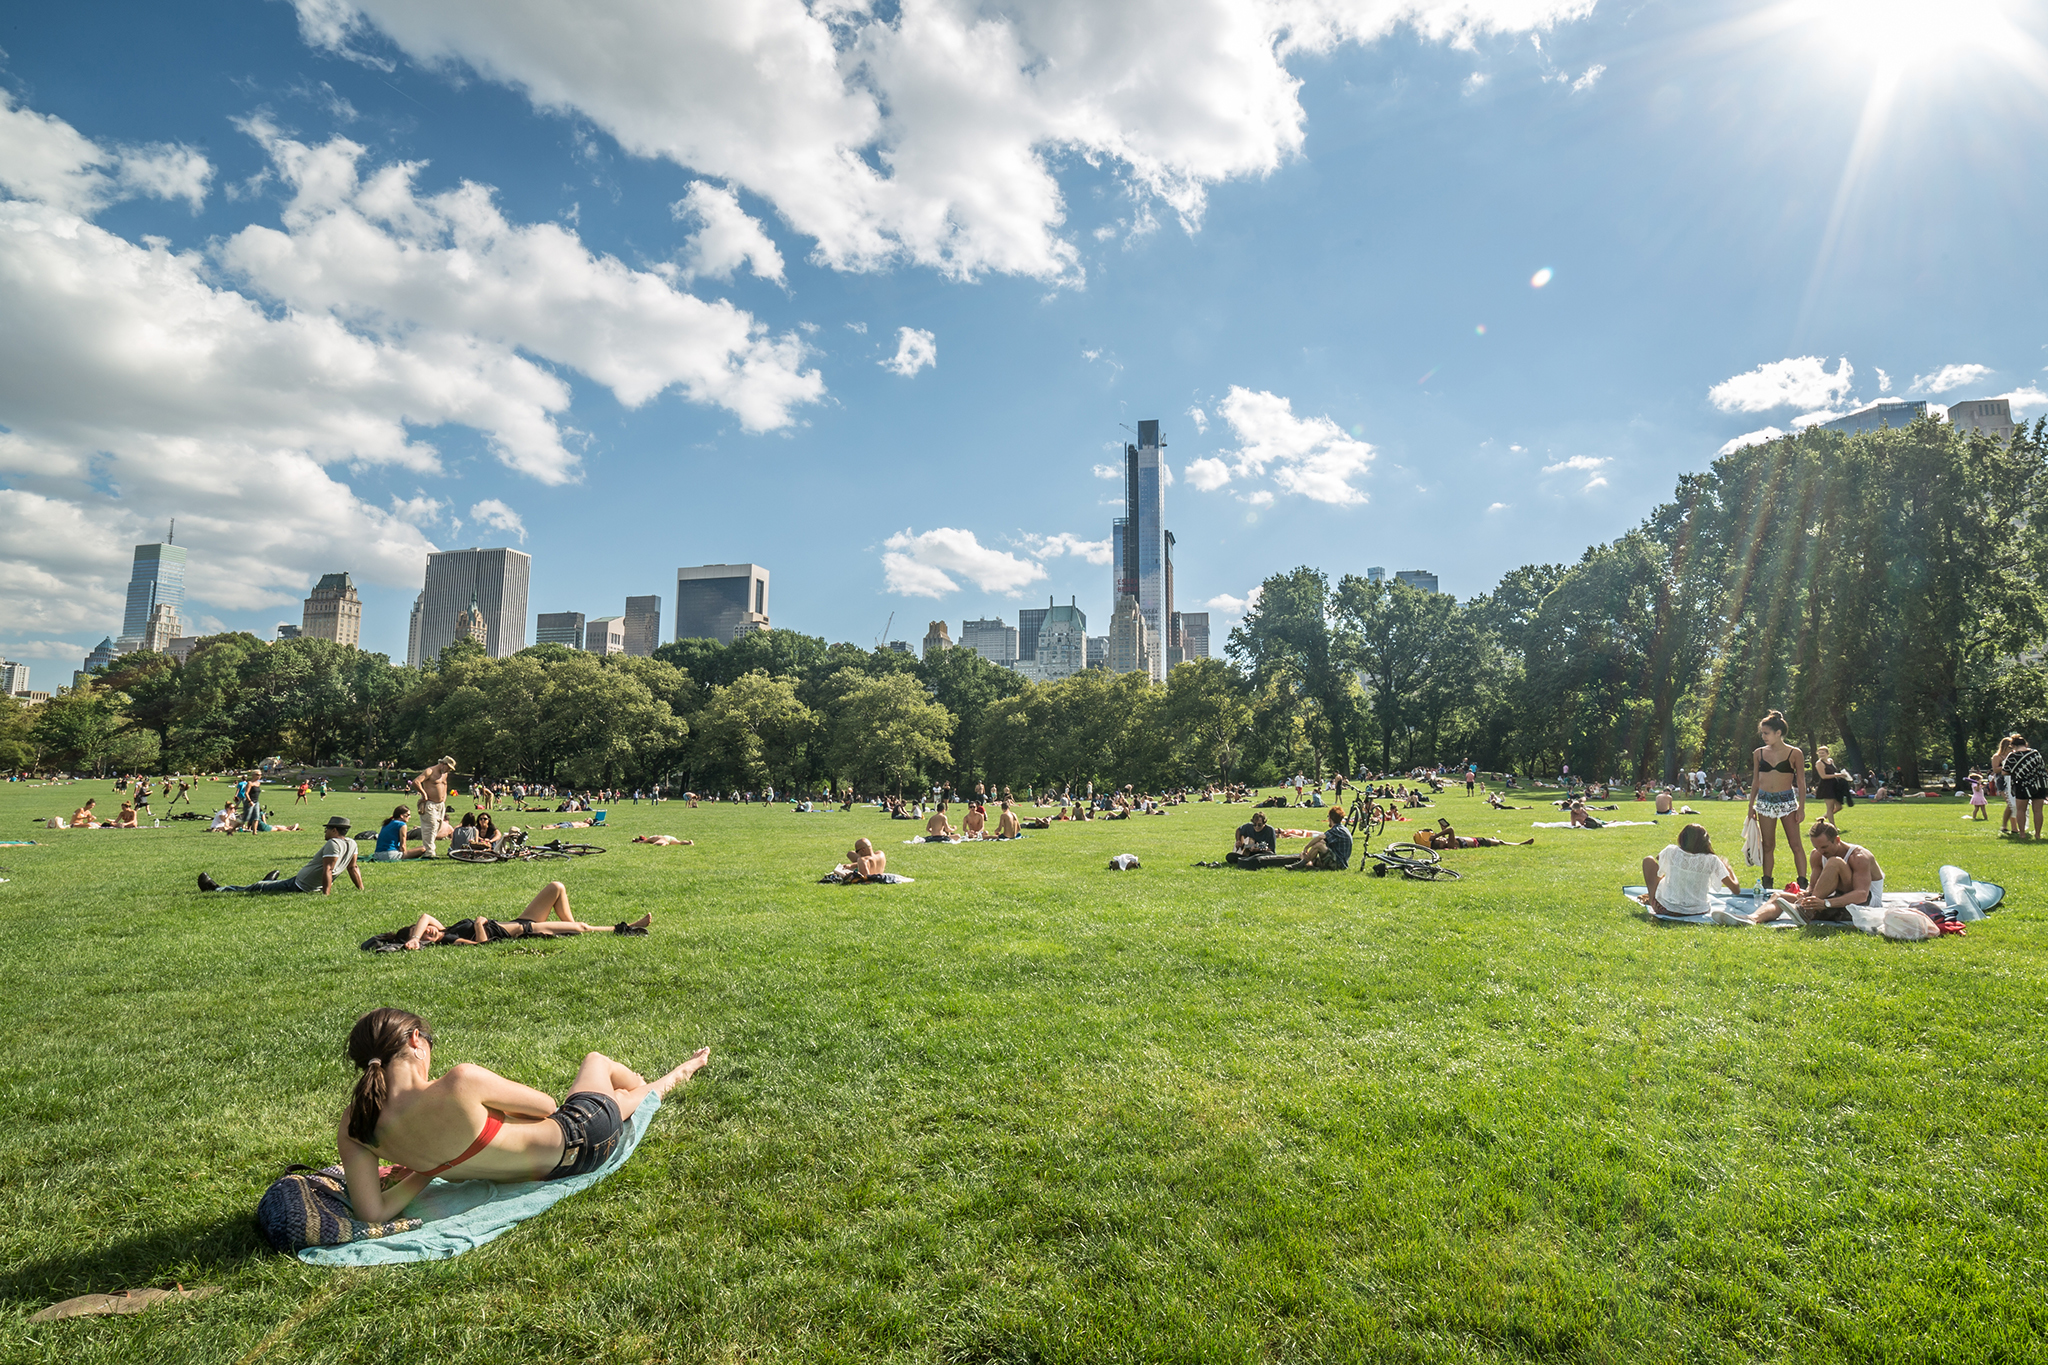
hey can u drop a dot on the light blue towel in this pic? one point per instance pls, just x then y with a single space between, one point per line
462 1214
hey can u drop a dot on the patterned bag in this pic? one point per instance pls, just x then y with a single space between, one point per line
307 1208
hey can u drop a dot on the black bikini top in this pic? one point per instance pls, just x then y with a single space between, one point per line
1784 767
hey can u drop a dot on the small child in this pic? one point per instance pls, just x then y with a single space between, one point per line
1977 801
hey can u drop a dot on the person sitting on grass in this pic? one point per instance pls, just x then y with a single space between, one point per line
125 820
547 915
938 829
1849 875
336 856
1444 836
1681 879
471 1119
1255 839
976 823
1331 850
1663 802
1582 818
1493 800
390 846
84 817
1008 826
862 862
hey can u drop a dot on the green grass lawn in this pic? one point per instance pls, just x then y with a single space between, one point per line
1031 1110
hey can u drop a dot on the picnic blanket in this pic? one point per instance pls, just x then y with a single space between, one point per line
1604 824
463 1214
985 839
1969 898
846 879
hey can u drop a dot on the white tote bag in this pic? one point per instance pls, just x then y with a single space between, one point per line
1752 842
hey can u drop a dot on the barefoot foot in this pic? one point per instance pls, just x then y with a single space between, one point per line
645 921
698 1060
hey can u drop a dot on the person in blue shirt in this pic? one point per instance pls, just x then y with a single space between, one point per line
391 840
1331 852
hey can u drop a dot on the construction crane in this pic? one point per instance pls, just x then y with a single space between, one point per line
885 631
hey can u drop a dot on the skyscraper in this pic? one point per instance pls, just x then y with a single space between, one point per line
643 626
412 631
1139 541
1422 580
936 638
494 581
559 628
1194 635
334 611
158 579
991 639
1132 646
1029 622
164 626
13 677
605 635
721 601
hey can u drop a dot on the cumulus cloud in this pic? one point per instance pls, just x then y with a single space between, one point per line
1750 438
1593 73
1313 457
924 132
1795 382
729 237
1200 419
924 565
915 349
1208 473
45 159
1884 382
1497 507
1577 463
1814 419
1262 498
2028 399
1949 378
1108 471
495 514
1066 543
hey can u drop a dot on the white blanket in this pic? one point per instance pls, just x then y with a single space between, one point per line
1604 824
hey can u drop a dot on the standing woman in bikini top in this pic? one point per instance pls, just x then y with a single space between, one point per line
1777 793
472 1120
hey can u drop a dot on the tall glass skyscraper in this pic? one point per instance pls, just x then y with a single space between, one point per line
1139 555
158 580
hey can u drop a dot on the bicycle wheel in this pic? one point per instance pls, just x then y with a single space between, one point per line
1429 872
540 855
471 855
1413 854
578 850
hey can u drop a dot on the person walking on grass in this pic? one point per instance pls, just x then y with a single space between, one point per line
2029 774
336 856
1777 785
472 1118
432 786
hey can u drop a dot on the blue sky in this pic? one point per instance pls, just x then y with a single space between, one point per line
865 294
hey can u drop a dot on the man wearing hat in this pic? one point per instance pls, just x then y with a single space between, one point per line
336 856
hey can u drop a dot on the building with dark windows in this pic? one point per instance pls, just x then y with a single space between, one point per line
1194 635
1422 580
721 601
334 612
1889 412
157 580
474 594
643 626
1141 555
559 628
1061 645
1029 621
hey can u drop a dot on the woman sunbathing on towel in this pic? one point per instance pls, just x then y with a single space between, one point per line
665 840
546 916
1443 836
1682 878
472 1120
1582 818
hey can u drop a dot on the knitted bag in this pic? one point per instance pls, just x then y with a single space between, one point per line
307 1208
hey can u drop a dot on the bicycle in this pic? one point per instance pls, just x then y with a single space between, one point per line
552 851
1416 863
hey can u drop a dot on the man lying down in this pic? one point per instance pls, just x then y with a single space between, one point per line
547 915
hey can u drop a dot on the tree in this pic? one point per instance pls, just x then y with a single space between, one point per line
967 685
79 728
1396 635
18 747
754 733
887 731
1206 712
1288 634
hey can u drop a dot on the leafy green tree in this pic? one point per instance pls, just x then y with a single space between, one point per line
753 733
1205 714
887 732
80 727
1290 634
967 685
19 750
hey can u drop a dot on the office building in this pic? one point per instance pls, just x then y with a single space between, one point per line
1028 622
158 579
1194 635
475 594
1889 412
1133 648
605 635
164 627
1375 574
1422 580
334 612
1992 416
181 648
1138 546
936 638
31 698
1061 646
721 601
899 647
991 639
103 653
559 628
1098 652
287 631
643 625
13 677
412 632
1169 642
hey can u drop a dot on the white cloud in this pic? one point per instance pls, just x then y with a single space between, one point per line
728 238
1313 456
45 159
1516 449
1224 602
915 349
1949 378
495 514
1577 463
419 511
1476 82
860 327
1262 498
924 565
1750 438
1814 419
2025 400
1884 382
1208 473
1200 419
1497 506
1108 471
1065 543
449 270
925 132
1593 74
1798 381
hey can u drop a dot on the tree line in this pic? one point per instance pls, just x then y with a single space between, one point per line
1886 591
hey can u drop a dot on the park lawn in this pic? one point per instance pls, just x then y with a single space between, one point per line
1031 1110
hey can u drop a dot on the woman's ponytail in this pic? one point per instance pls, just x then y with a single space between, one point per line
373 1044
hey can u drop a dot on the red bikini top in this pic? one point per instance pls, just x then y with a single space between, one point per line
492 1123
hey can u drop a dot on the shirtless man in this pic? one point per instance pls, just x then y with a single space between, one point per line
1849 875
977 824
1007 824
938 828
432 786
1444 836
863 861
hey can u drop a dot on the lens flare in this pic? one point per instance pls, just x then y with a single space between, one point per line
1542 277
1480 330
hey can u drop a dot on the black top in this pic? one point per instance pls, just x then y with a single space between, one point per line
1264 835
1782 767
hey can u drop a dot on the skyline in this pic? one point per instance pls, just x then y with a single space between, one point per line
1468 297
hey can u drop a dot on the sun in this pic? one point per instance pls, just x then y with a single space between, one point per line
1903 34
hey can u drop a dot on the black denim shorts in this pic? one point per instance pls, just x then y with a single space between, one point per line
590 1126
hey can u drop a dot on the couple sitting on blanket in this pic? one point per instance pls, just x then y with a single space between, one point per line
471 1120
1328 852
1682 879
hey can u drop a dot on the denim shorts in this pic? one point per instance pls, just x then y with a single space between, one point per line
590 1126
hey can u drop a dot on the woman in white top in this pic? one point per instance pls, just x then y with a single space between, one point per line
1683 877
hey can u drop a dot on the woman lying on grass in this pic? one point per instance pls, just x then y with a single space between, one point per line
546 916
472 1120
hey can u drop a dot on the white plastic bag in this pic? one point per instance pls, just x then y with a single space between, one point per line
1752 842
1907 924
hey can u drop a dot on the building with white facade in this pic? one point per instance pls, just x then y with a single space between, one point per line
1992 416
991 639
605 635
936 638
334 611
486 589
1062 645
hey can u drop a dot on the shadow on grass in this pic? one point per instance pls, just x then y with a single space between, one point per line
203 1249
